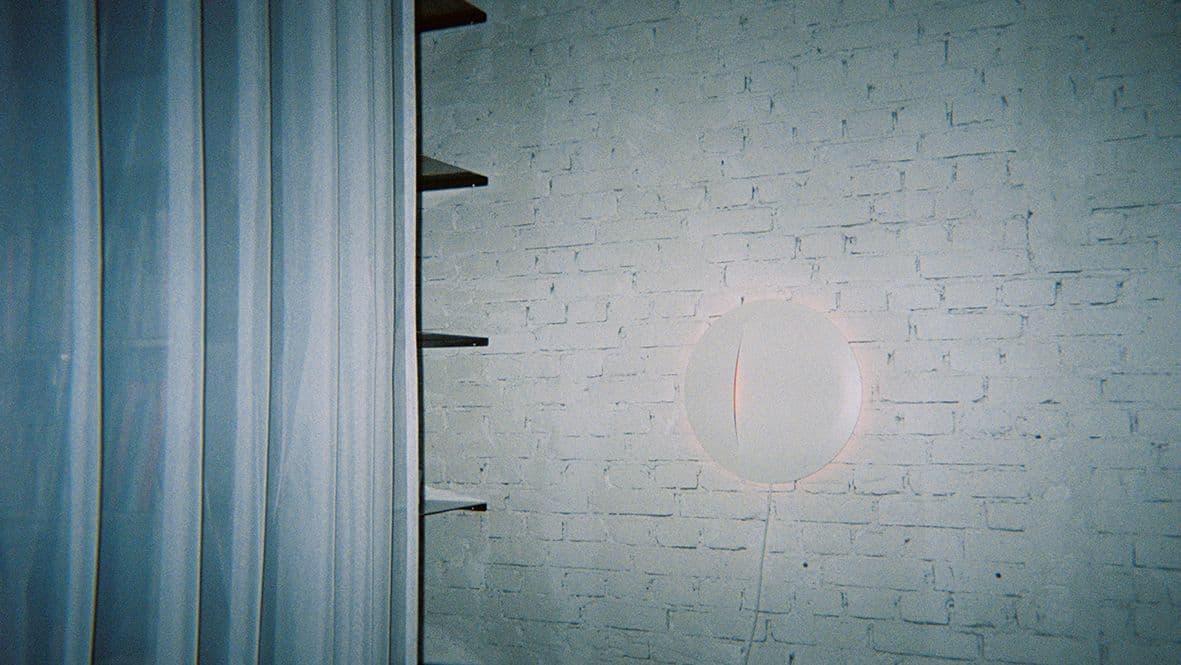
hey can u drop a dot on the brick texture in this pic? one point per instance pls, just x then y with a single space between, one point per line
983 195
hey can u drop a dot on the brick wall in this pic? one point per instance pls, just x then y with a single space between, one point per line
983 195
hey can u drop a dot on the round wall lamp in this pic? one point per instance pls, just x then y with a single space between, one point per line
773 391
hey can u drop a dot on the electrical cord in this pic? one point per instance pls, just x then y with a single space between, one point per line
754 624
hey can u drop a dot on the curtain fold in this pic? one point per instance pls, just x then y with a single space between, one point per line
298 575
235 72
152 331
364 136
49 317
198 287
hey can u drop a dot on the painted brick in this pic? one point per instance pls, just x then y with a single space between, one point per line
722 505
925 607
876 572
977 293
870 603
984 610
867 268
913 297
1159 389
918 419
879 480
991 221
973 263
765 247
1090 290
1158 622
917 640
768 274
679 533
677 475
1029 292
825 243
805 540
1006 516
970 325
1159 553
732 625
874 449
612 614
937 512
1027 648
991 482
930 387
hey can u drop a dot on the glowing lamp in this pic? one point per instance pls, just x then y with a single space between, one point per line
773 391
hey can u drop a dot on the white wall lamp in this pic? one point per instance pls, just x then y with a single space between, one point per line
773 391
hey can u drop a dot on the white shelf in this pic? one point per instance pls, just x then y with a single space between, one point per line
438 500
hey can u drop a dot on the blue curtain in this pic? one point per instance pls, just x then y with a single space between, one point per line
198 282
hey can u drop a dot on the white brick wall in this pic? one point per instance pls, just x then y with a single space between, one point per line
982 194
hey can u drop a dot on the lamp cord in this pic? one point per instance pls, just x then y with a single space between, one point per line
754 624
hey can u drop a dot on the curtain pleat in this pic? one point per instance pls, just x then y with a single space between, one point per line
197 326
153 356
237 315
299 569
82 485
364 423
49 314
407 482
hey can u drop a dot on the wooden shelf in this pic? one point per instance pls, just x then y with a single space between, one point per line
434 174
434 340
440 14
438 500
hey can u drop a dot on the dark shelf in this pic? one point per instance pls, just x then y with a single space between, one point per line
440 14
433 340
436 500
433 175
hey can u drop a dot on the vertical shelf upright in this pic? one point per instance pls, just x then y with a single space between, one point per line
434 174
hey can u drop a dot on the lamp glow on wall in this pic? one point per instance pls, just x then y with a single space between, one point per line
773 391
